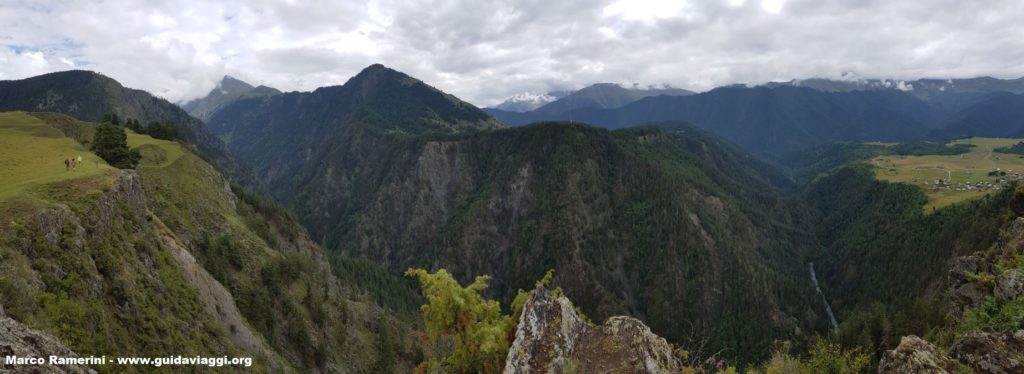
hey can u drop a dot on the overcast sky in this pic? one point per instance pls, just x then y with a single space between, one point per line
484 51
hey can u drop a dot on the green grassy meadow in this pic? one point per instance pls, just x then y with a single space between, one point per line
953 170
32 154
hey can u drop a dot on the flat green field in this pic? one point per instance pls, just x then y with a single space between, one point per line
960 177
32 153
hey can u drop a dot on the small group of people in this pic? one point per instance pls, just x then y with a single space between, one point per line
70 164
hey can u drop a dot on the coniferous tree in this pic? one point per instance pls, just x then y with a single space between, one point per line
134 125
162 130
112 118
111 144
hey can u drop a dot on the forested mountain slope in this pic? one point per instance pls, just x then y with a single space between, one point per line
998 115
668 224
878 244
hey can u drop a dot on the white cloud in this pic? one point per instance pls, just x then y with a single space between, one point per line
773 6
484 51
644 10
27 63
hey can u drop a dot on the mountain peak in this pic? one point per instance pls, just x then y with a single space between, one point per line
230 84
227 90
378 71
527 101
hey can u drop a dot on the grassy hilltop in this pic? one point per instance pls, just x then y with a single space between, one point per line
32 154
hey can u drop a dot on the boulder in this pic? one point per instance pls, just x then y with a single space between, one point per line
546 334
965 296
552 338
991 352
1009 285
915 355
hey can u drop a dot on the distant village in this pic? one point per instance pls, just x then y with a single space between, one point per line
1001 179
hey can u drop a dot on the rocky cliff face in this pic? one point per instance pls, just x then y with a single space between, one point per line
99 255
552 338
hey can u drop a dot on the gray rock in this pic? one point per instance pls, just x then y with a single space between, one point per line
1009 285
1011 240
915 355
18 340
991 352
1014 231
962 293
965 296
552 338
967 264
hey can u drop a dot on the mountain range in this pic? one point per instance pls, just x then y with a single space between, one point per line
665 212
603 96
775 119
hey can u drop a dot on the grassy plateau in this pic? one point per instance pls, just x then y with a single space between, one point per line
949 179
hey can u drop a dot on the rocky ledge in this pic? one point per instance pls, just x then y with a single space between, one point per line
552 337
980 352
915 355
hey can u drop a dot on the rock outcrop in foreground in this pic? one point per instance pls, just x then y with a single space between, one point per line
981 352
991 352
552 337
915 355
18 340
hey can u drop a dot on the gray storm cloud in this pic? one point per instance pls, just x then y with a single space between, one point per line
484 51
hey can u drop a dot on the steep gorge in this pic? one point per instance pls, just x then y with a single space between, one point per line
664 222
